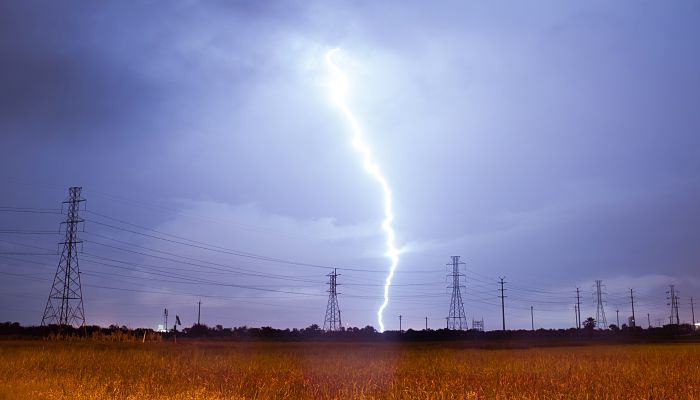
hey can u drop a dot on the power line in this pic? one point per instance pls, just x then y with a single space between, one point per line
29 246
225 250
30 210
218 249
229 252
213 265
27 232
547 298
210 283
19 253
191 261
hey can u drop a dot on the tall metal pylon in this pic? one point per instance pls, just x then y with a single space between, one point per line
65 303
332 321
600 319
673 297
456 319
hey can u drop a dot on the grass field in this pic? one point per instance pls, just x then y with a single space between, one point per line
211 370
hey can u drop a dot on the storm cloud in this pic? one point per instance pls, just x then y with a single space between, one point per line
553 143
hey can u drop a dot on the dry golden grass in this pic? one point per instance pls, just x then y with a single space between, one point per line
210 370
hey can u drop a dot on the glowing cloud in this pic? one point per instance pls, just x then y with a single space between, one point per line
339 88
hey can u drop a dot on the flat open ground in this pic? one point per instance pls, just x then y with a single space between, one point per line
255 370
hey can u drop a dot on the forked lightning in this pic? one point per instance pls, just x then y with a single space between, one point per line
339 87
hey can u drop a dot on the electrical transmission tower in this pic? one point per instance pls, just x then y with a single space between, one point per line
456 320
332 321
65 303
600 319
673 297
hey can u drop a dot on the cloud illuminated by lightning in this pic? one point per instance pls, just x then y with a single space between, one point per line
339 88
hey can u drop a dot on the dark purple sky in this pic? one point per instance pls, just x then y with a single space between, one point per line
553 143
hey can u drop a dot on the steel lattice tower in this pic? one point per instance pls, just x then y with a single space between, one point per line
600 319
456 318
65 303
332 321
673 296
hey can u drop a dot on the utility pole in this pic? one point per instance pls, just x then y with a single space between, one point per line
692 311
649 320
634 320
617 312
199 310
576 317
426 323
447 322
332 321
165 318
65 303
600 311
578 309
456 318
400 327
532 317
503 304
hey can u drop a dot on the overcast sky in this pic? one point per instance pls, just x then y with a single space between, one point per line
551 143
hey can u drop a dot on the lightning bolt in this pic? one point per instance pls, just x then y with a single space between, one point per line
339 87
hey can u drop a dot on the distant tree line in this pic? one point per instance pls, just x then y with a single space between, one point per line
10 330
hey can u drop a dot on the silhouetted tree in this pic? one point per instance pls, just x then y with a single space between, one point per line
198 330
368 329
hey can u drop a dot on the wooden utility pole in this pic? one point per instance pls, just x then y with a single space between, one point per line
578 309
634 321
